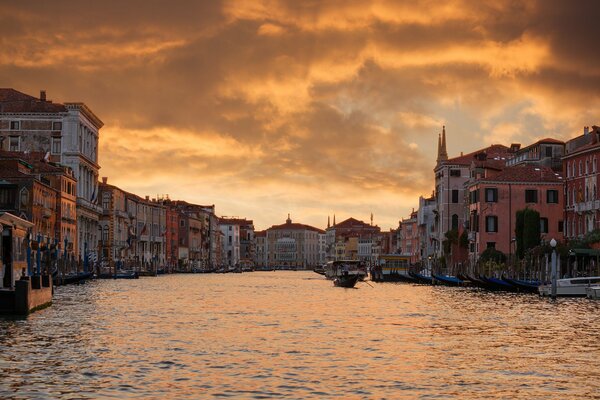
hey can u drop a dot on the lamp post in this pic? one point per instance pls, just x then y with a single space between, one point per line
553 271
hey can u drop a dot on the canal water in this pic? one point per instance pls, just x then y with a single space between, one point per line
293 335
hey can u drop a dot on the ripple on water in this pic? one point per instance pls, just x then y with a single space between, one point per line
291 334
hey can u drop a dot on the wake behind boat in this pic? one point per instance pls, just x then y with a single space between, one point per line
345 273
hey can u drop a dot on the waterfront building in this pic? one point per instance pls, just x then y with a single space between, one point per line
451 175
62 180
581 198
293 245
25 196
343 239
171 235
260 255
426 227
68 133
409 238
231 245
497 192
116 229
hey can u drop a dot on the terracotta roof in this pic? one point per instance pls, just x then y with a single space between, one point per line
235 221
296 227
13 101
495 150
352 223
525 173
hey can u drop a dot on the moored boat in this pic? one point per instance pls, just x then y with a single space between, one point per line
497 284
447 280
570 287
392 268
593 292
420 278
522 285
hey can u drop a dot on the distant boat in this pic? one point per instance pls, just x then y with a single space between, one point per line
319 270
392 268
420 278
347 281
345 273
573 287
72 278
447 280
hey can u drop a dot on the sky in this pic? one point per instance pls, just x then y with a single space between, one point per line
312 108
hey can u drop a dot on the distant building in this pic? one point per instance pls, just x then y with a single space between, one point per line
293 245
260 255
230 227
352 239
409 238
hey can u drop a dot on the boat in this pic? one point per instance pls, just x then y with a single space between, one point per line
522 285
345 273
392 268
72 278
121 274
447 280
420 278
570 287
493 283
319 270
593 292
347 281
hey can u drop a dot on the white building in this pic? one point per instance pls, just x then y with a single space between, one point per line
231 240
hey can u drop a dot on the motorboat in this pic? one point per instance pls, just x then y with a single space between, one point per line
573 287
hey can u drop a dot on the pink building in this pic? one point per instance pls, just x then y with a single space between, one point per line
409 238
580 166
495 196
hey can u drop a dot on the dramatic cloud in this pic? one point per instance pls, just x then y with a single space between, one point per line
308 107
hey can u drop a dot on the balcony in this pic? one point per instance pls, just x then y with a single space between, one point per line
121 214
81 202
46 212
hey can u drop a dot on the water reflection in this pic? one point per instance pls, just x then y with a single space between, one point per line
278 334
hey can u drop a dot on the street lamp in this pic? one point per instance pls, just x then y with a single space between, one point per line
553 273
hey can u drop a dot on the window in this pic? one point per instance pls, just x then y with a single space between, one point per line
455 195
491 223
544 225
561 226
491 195
491 245
531 196
56 145
182 224
14 143
594 165
57 126
568 169
105 234
549 151
455 172
552 196
580 169
474 196
230 239
15 125
106 201
454 221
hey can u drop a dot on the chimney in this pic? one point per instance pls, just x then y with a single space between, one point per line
42 95
104 179
147 198
586 130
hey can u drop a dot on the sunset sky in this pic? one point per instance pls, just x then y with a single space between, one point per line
311 108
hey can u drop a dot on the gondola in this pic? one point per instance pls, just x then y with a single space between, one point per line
420 278
447 280
523 286
345 281
498 284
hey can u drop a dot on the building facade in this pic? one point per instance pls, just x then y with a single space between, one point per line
293 246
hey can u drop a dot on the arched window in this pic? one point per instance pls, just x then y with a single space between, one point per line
568 169
574 196
573 174
580 166
587 194
594 165
454 221
595 194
